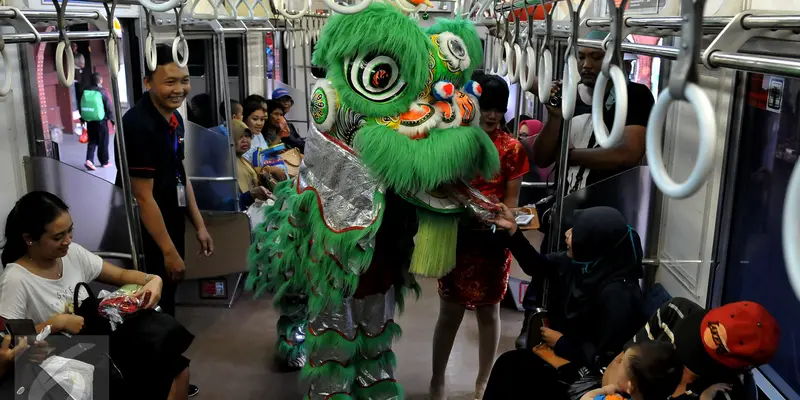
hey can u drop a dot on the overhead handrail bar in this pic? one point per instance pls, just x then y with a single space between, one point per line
612 70
527 71
36 15
545 63
749 21
571 75
283 9
790 230
67 78
180 39
683 85
50 37
112 45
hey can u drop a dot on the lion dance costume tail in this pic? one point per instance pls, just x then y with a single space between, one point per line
395 136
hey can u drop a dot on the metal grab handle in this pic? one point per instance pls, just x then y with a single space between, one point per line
497 55
545 75
546 55
159 7
6 87
67 78
507 59
571 76
601 132
287 38
150 53
528 69
707 131
611 70
683 86
112 45
351 9
791 229
283 10
519 60
569 93
180 40
514 59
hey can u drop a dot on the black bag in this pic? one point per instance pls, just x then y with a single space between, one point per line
93 322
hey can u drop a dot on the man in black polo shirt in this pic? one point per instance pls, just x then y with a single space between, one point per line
153 141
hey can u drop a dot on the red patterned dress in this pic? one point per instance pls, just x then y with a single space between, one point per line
482 260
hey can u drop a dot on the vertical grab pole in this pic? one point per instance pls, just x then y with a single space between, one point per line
131 208
222 75
306 73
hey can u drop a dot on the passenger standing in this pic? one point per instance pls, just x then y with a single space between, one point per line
480 277
97 111
158 179
289 135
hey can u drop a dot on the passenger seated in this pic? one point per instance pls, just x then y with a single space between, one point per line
236 115
751 337
289 135
247 178
255 116
595 302
290 156
43 267
648 370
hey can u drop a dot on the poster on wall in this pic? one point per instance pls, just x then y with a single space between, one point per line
775 94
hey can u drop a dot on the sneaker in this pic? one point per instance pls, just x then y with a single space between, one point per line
193 390
106 165
90 166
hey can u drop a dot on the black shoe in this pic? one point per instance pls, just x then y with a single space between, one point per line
522 340
193 390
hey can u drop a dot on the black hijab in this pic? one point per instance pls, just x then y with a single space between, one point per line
605 249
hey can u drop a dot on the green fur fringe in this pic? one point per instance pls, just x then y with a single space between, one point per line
408 166
362 344
381 390
329 370
400 293
466 31
435 244
287 263
380 29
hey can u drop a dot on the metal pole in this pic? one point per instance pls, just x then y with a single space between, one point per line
47 15
306 72
226 99
748 22
131 209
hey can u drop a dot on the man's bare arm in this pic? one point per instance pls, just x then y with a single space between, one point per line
513 188
627 153
151 215
546 145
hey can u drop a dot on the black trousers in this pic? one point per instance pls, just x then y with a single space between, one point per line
521 374
98 140
154 264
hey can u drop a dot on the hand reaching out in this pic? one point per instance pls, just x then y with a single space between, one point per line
505 219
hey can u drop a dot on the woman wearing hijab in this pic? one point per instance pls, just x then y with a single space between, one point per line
247 178
594 308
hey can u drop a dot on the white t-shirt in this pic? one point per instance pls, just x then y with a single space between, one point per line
24 295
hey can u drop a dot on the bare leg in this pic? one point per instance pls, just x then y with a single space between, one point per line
180 386
450 316
488 339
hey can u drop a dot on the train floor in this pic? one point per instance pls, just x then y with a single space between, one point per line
232 355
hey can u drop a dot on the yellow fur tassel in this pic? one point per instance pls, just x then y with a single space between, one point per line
435 244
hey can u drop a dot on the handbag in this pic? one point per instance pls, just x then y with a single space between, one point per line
292 158
84 138
93 322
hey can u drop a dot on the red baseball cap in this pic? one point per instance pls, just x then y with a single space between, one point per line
736 336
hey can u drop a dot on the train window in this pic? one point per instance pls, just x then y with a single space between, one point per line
770 141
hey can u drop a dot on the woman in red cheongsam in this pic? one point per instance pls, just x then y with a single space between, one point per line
480 277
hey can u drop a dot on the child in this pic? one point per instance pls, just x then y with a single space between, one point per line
650 371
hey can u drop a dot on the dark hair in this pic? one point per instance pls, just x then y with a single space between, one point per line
655 369
255 98
32 213
96 78
273 105
234 103
251 106
163 57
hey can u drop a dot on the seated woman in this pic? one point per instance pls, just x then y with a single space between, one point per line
43 267
291 156
595 303
247 178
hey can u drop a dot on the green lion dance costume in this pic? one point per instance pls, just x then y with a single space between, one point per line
395 137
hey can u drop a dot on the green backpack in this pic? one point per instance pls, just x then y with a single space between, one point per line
92 107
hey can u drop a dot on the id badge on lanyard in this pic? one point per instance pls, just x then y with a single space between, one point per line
180 188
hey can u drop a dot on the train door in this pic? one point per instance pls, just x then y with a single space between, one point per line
752 266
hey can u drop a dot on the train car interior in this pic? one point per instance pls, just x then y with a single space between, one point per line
691 138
